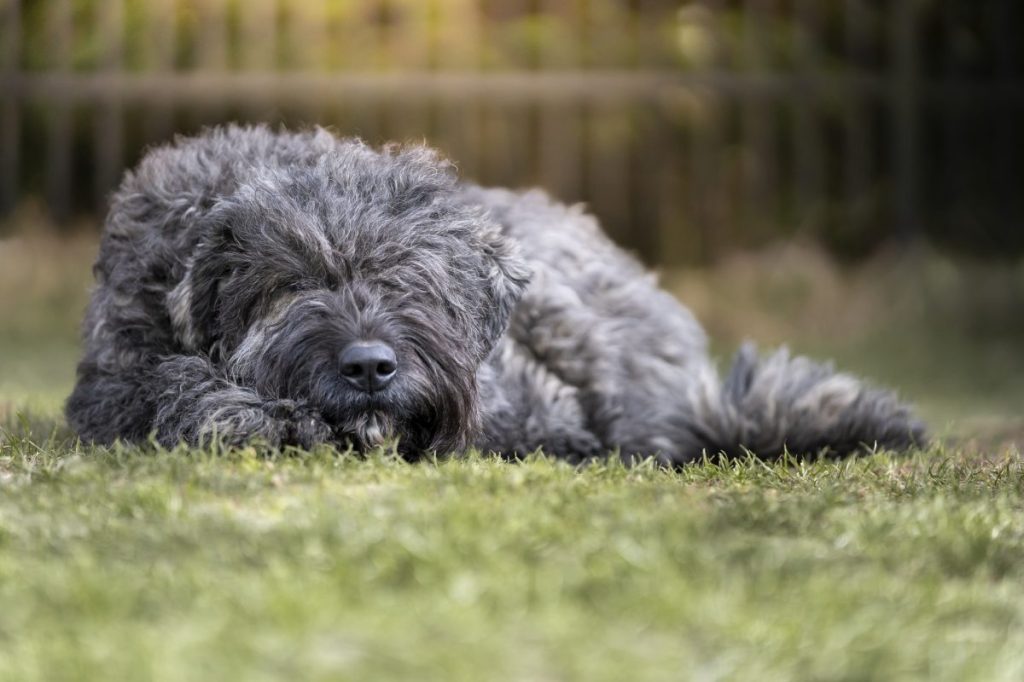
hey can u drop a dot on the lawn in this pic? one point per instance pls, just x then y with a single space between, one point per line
188 565
184 565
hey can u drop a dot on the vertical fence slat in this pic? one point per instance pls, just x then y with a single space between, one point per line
415 45
10 106
460 119
211 50
160 27
650 178
212 36
641 50
59 131
559 145
411 38
857 124
608 154
903 48
336 31
758 126
951 120
307 40
607 141
706 182
257 35
108 127
507 125
670 235
367 116
307 37
638 220
810 172
1004 33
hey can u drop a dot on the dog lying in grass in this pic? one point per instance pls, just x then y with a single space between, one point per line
298 289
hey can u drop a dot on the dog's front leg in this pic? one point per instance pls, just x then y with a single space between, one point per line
183 399
195 405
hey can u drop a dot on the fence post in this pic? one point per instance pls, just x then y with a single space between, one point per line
460 119
650 172
1004 27
608 143
211 57
758 126
559 146
810 181
858 132
160 26
212 36
108 129
905 114
59 123
307 34
711 213
257 28
508 126
10 122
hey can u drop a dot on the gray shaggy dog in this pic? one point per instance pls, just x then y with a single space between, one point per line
297 288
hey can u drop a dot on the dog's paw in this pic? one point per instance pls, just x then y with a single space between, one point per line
575 447
295 424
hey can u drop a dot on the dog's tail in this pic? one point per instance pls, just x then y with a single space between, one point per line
781 403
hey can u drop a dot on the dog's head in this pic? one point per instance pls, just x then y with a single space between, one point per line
359 285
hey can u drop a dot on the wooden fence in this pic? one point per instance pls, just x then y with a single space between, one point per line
689 127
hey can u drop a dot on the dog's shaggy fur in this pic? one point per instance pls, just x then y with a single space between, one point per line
236 265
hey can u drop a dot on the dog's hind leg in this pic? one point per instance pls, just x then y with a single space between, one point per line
527 408
596 320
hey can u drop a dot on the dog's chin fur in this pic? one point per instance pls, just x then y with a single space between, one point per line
371 429
235 266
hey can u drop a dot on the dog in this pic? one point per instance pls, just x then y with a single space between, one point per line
294 288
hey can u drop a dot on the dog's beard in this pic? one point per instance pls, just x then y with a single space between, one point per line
410 435
371 429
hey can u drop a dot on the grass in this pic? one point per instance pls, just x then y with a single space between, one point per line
122 564
130 563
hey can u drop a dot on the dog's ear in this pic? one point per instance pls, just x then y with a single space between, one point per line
193 303
507 277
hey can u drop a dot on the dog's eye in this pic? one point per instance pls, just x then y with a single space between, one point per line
294 287
278 298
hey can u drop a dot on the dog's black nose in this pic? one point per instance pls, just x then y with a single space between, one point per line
369 366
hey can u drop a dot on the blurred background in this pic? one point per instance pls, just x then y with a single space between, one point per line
846 176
